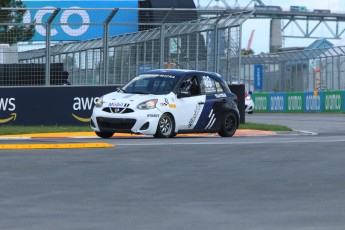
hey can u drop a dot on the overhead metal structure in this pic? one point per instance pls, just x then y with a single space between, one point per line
306 24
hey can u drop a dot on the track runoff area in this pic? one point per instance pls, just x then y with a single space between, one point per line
88 135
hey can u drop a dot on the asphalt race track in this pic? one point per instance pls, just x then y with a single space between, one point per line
286 181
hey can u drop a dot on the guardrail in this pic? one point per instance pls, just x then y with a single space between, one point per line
300 102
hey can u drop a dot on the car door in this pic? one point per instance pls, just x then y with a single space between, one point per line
212 114
190 102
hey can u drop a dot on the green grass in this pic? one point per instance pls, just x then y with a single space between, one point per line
7 130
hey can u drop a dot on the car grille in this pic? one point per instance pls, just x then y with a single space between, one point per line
117 110
115 123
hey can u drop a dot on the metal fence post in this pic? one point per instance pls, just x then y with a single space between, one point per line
48 41
216 48
162 40
239 53
105 44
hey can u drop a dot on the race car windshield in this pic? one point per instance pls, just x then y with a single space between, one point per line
151 84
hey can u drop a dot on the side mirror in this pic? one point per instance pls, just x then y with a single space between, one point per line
183 93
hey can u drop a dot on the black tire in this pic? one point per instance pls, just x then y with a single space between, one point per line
251 112
105 134
229 125
165 127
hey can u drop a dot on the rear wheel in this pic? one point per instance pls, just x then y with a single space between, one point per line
229 125
165 127
105 134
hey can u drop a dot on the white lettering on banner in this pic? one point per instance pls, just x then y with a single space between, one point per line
81 103
277 103
333 102
79 31
39 19
258 74
295 103
260 103
7 104
63 20
313 103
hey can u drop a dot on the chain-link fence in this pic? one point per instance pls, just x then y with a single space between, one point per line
298 71
111 46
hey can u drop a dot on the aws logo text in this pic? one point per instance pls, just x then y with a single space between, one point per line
8 104
83 104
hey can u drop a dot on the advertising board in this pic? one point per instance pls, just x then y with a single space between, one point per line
295 102
80 20
260 101
313 101
65 105
277 102
333 101
258 75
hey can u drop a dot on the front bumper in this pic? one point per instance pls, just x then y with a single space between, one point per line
249 106
140 121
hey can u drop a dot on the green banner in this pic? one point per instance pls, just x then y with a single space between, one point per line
260 101
295 102
333 101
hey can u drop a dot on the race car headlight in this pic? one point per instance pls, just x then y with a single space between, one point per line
99 102
150 104
248 98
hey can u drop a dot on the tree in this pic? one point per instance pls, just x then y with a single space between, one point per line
12 29
247 52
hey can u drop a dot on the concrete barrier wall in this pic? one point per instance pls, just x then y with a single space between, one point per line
302 102
65 105
60 105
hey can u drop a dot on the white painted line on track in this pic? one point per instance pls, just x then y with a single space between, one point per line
235 143
15 138
306 132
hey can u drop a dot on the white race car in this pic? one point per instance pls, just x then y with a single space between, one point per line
164 103
249 103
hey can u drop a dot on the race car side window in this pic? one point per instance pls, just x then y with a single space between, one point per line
219 87
211 85
191 85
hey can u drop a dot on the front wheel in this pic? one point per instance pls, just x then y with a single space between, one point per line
165 127
105 134
229 125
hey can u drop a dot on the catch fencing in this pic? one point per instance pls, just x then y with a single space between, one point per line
297 71
111 46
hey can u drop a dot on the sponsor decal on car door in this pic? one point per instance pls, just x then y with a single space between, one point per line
188 111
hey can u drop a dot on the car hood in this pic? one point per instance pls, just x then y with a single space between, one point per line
118 99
